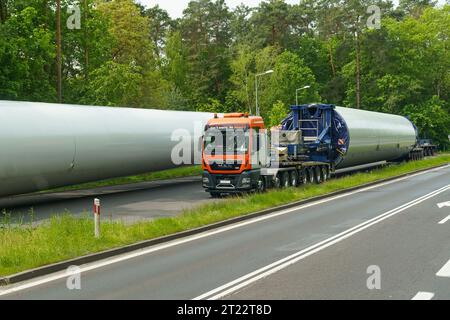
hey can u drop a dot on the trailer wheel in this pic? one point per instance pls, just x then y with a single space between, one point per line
310 175
325 176
294 178
317 175
303 177
261 186
285 180
277 181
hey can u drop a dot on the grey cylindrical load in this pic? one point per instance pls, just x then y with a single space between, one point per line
376 136
50 145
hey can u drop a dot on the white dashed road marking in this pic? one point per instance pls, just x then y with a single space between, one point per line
445 271
423 296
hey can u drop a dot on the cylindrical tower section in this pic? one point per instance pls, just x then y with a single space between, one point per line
44 146
375 136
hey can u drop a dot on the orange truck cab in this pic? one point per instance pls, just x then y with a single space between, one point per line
231 152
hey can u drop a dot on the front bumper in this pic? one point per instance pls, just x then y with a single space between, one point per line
230 183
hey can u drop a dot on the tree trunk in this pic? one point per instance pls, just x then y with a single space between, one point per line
330 52
3 10
358 71
274 32
86 41
58 52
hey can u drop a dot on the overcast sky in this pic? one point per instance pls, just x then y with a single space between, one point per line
176 7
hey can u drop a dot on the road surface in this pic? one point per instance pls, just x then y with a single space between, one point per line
322 250
132 202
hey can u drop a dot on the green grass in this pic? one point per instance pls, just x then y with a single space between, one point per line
65 237
152 176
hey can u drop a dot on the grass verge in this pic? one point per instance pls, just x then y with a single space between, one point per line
65 237
152 176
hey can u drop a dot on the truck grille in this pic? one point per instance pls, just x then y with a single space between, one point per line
225 166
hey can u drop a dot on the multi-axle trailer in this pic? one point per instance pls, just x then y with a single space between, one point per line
307 147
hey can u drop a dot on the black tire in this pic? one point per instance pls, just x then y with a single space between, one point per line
277 182
215 195
294 178
325 176
261 185
310 175
317 175
303 177
285 181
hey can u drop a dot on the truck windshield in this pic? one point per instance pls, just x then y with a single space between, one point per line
228 141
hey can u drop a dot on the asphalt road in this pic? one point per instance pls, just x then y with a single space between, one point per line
132 202
320 250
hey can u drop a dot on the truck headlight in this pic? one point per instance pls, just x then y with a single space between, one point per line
246 181
205 180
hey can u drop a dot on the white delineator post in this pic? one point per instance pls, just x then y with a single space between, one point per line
97 217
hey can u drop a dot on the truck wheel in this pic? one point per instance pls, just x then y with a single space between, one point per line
303 177
261 186
215 195
294 178
285 180
310 175
277 182
317 175
325 176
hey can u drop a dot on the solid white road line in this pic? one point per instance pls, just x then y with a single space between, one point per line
445 270
124 257
444 220
254 276
422 295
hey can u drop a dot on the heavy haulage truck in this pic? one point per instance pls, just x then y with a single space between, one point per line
307 147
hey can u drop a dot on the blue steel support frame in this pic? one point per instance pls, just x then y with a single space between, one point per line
318 150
